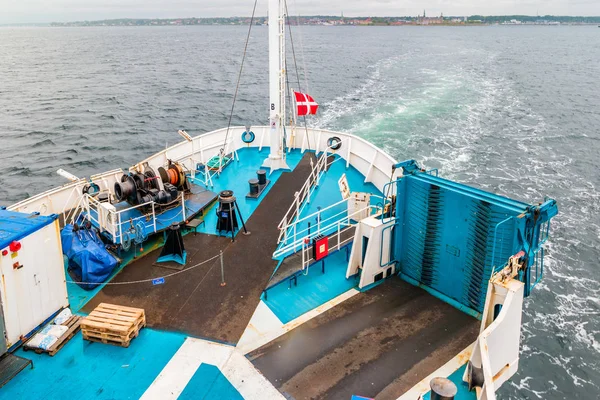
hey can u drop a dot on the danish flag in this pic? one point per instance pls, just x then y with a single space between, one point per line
306 104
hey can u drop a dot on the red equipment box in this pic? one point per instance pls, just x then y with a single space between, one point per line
320 247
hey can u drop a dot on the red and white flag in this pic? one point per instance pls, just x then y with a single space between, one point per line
305 104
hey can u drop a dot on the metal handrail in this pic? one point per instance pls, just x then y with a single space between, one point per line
117 231
340 243
346 221
495 269
302 194
305 191
314 215
392 260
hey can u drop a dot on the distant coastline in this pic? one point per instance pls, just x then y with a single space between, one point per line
328 20
324 20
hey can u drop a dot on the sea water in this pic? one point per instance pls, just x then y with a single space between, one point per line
510 109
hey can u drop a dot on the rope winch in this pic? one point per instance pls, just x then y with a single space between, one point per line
140 188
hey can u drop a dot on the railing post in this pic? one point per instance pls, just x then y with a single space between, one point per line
223 283
285 232
297 195
338 234
303 255
120 228
294 240
319 221
183 205
154 217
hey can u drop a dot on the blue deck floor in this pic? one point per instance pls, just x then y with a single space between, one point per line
208 383
328 193
85 370
311 290
235 177
78 296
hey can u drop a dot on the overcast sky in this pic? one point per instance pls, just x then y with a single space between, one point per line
25 11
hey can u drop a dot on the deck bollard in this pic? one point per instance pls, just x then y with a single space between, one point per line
223 283
442 389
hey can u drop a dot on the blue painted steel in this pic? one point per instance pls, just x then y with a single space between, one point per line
408 166
209 383
173 257
85 370
453 237
328 193
514 205
235 177
16 225
411 167
136 228
299 293
441 296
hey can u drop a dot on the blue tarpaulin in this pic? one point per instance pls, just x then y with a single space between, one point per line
89 261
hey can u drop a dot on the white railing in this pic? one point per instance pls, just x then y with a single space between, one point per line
339 243
300 197
295 237
367 159
304 194
112 221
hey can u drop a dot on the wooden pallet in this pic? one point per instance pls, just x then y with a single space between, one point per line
73 325
113 324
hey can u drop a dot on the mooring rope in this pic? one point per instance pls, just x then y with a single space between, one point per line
150 279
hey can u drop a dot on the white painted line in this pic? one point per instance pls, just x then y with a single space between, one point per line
179 370
262 323
265 327
240 372
444 371
251 384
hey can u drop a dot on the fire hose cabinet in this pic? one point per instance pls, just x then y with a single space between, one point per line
33 274
320 247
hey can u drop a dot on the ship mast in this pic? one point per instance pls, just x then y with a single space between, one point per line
277 85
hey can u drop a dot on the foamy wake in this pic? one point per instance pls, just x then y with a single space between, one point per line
491 138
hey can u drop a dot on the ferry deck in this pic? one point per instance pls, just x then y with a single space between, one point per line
263 326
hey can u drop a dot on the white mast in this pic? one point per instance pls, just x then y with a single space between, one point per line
277 85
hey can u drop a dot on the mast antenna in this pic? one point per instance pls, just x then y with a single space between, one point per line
277 86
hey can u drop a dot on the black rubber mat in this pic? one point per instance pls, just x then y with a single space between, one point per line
377 344
10 366
194 302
